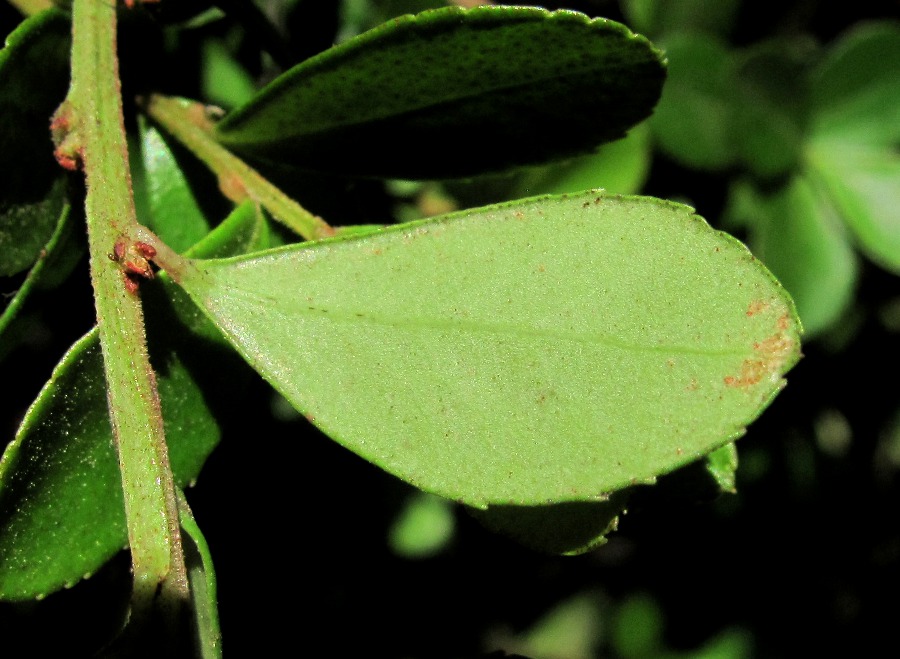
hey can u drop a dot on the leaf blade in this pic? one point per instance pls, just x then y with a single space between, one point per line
450 352
453 92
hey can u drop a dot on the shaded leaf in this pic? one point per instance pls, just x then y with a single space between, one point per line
225 82
770 106
662 17
202 578
619 166
693 121
48 257
855 90
549 350
34 76
61 505
454 92
563 528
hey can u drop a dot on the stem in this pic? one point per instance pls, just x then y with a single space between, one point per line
94 110
188 122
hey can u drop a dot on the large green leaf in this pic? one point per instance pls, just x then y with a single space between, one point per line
548 350
454 92
34 75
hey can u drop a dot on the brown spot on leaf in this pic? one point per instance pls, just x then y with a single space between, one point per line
771 353
757 306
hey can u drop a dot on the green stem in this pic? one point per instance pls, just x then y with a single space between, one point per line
93 109
188 122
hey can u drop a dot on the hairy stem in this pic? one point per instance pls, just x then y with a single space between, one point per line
93 113
188 122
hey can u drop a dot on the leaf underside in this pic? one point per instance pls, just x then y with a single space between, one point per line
548 350
453 92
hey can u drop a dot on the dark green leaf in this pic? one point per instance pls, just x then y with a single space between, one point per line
61 507
665 17
770 107
693 122
619 166
454 92
550 350
563 528
34 75
48 258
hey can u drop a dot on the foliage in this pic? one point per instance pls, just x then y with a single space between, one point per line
542 361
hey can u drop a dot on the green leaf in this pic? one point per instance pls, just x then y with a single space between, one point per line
49 259
854 148
663 17
770 106
855 89
864 185
549 350
454 92
798 234
202 577
621 166
722 466
423 528
34 76
61 505
564 528
225 82
693 122
168 205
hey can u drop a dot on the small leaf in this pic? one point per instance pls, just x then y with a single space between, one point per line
454 92
855 90
423 527
48 268
34 76
549 350
563 528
